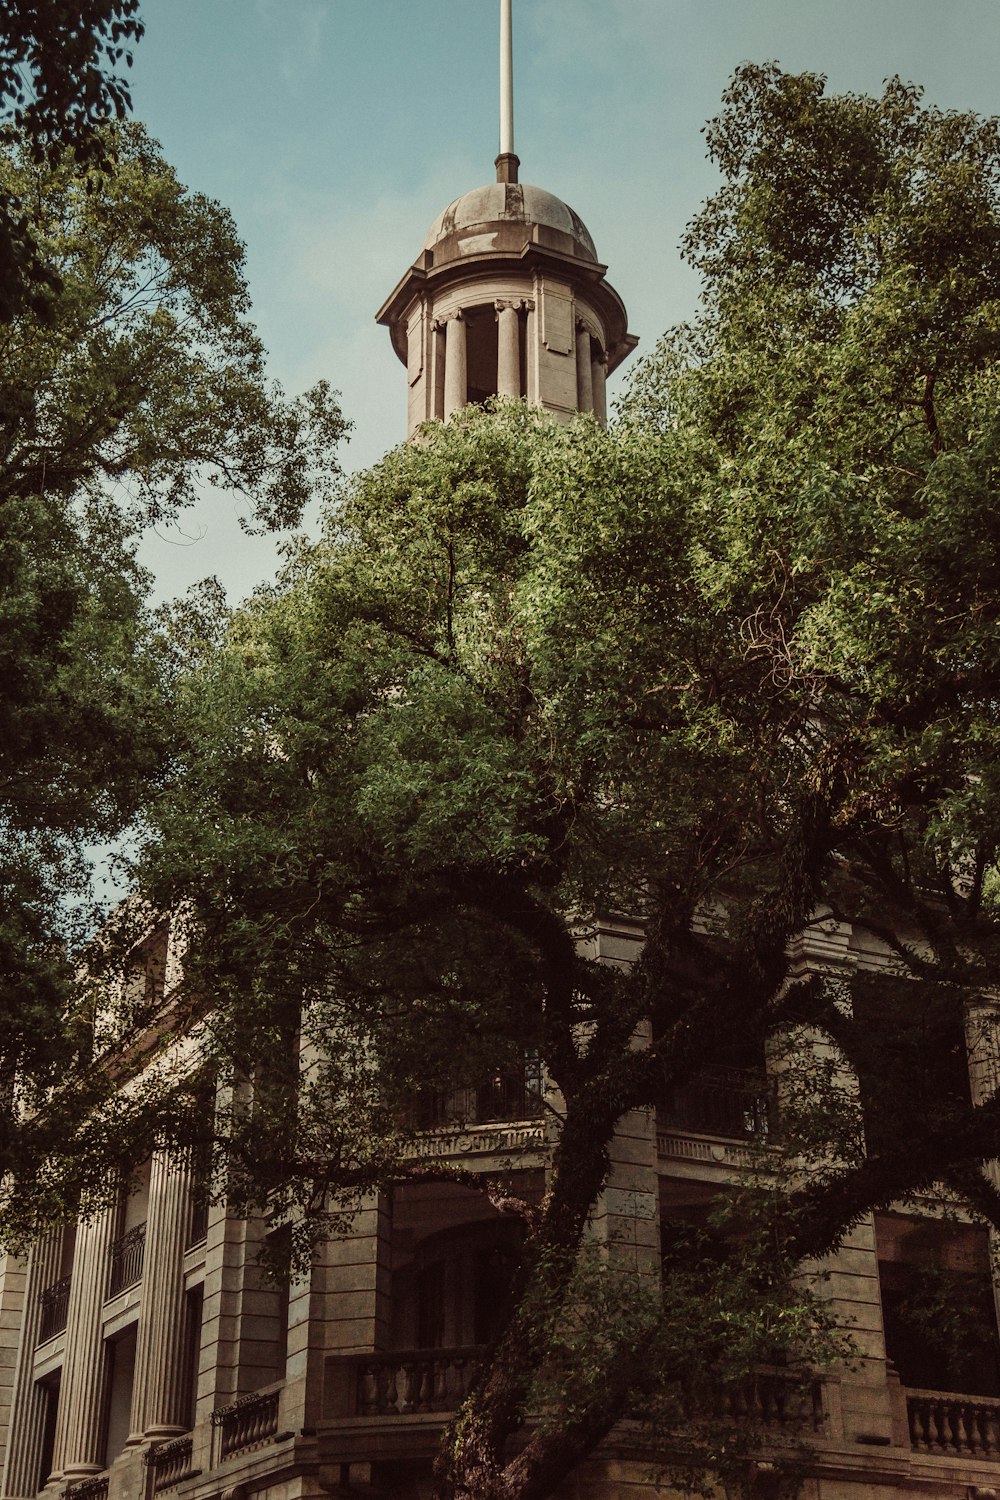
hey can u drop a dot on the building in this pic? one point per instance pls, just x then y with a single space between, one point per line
144 1353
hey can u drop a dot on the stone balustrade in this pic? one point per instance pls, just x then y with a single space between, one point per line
87 1489
248 1423
940 1422
409 1381
169 1463
774 1400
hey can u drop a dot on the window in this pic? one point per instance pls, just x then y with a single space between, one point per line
48 1391
938 1307
910 1057
119 1373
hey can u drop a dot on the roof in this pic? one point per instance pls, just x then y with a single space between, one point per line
510 203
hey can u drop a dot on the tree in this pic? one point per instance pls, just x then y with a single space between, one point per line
730 667
142 379
55 91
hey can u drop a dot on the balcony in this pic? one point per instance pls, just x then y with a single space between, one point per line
734 1103
513 1094
54 1309
250 1422
940 1422
169 1463
87 1489
125 1256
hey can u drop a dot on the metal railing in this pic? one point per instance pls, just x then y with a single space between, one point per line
198 1221
943 1423
125 1258
735 1103
169 1463
54 1304
512 1094
249 1422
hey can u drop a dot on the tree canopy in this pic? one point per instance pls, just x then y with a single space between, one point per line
729 668
142 379
59 85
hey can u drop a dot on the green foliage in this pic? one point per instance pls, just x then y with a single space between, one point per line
56 90
143 379
730 668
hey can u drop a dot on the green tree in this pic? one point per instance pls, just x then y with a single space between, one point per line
57 89
730 667
142 379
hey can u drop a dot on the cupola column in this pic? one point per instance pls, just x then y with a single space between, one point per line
584 370
508 349
456 365
599 376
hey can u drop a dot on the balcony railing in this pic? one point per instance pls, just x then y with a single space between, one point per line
515 1094
774 1399
54 1303
248 1423
415 1380
87 1489
125 1258
198 1221
169 1463
943 1423
735 1103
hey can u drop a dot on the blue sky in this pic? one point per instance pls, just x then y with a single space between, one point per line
336 130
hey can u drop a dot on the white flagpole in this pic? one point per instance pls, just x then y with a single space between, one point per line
506 80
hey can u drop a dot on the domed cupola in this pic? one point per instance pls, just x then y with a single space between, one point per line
507 297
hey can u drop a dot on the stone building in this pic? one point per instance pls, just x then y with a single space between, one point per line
144 1354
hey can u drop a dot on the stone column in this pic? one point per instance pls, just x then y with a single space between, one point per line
531 353
79 1425
160 1389
438 372
599 376
584 370
24 1439
508 350
456 371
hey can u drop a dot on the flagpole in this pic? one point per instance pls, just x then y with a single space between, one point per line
506 79
507 162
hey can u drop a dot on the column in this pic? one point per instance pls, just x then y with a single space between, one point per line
24 1439
584 370
456 375
79 1426
599 376
437 372
160 1392
508 350
531 353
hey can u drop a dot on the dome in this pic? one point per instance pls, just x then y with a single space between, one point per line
507 203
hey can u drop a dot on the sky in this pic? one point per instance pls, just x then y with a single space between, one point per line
335 131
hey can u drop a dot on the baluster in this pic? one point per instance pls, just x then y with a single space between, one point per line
367 1397
425 1384
389 1402
409 1373
439 1392
967 1427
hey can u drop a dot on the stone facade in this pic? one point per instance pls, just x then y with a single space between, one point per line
145 1354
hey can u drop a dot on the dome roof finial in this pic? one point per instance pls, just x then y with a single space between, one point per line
507 162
